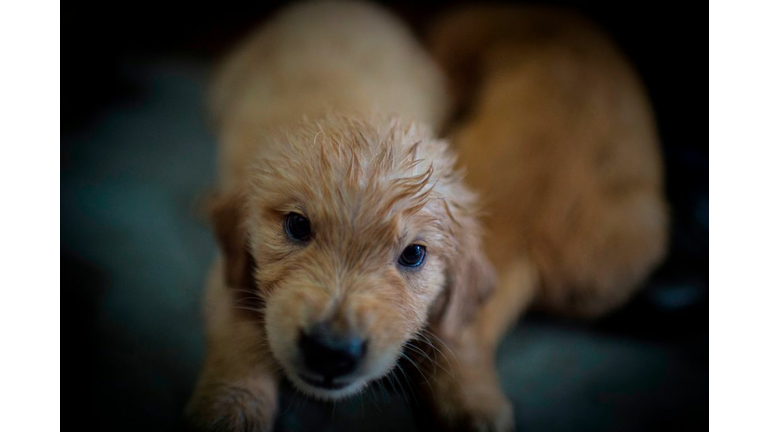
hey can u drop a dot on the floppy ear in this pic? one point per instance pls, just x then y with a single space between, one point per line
471 279
232 236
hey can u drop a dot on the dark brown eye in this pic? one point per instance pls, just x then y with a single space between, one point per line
298 227
412 256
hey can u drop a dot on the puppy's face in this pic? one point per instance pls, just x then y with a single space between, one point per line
357 234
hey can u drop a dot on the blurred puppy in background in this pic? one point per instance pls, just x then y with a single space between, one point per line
558 138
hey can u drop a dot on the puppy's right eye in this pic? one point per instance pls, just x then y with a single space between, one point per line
413 256
298 227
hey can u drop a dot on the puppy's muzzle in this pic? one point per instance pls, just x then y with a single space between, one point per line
329 356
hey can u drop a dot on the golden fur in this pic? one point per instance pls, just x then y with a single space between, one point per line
327 112
559 141
320 57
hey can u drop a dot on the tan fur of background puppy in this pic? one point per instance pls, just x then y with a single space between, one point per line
558 140
304 110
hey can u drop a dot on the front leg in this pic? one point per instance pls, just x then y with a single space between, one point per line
245 404
464 383
464 387
237 389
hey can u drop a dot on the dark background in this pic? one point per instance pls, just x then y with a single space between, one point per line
137 156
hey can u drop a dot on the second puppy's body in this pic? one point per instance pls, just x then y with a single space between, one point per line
560 143
340 57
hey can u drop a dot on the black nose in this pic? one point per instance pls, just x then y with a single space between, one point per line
331 354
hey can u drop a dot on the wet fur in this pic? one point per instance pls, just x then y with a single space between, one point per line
327 111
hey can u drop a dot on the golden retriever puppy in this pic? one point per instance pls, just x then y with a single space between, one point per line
558 139
345 233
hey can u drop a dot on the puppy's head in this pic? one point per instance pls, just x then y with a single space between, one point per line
356 235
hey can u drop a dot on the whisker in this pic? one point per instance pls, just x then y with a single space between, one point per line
248 298
426 340
372 400
420 353
407 381
420 372
392 383
437 338
295 393
428 357
248 308
418 350
383 388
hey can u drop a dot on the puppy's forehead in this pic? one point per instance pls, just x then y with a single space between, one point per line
350 172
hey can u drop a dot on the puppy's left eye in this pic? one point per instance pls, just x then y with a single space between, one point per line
412 256
298 227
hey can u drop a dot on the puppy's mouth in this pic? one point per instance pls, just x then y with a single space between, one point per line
328 383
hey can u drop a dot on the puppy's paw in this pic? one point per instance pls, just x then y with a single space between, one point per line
499 418
231 409
486 411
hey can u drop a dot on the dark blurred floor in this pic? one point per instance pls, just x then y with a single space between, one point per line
136 157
